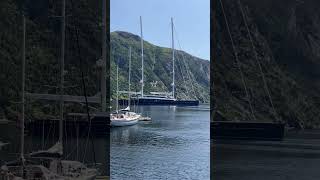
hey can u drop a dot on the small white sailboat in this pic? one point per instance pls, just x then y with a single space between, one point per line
124 117
17 171
71 170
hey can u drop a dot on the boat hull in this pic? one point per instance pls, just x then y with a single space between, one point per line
247 130
159 102
120 123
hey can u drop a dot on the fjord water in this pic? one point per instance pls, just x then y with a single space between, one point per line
174 145
296 157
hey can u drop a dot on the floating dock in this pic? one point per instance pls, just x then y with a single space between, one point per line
144 118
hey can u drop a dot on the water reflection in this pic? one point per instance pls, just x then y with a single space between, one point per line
80 149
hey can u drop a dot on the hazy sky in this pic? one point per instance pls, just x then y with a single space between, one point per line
191 19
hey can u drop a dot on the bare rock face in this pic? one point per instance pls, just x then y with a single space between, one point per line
287 40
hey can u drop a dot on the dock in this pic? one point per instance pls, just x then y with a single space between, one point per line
144 118
74 122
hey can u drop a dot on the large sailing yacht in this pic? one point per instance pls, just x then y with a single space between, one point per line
158 98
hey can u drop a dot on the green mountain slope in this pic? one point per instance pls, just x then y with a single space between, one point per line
43 53
192 73
43 57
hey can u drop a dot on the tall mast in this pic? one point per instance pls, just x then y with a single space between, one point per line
129 77
142 68
117 89
104 58
63 24
173 85
23 88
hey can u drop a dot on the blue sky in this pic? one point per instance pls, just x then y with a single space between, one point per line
191 19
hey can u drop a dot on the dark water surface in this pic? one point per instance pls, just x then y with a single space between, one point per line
80 149
175 145
297 157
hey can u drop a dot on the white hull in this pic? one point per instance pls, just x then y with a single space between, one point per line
119 123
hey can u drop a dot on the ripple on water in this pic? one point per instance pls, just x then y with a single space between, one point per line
175 147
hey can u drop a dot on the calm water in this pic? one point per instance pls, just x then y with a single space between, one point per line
175 145
297 157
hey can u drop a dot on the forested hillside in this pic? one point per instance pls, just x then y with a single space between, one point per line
286 36
191 73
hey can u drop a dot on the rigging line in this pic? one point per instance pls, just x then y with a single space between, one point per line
181 69
238 62
258 62
89 136
84 92
47 138
189 77
179 66
184 63
184 81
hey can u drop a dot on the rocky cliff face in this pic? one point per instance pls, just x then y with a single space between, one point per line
286 36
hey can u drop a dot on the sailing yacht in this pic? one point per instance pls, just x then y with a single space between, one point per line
72 170
124 117
159 98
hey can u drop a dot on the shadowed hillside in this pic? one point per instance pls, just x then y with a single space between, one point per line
286 37
43 39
